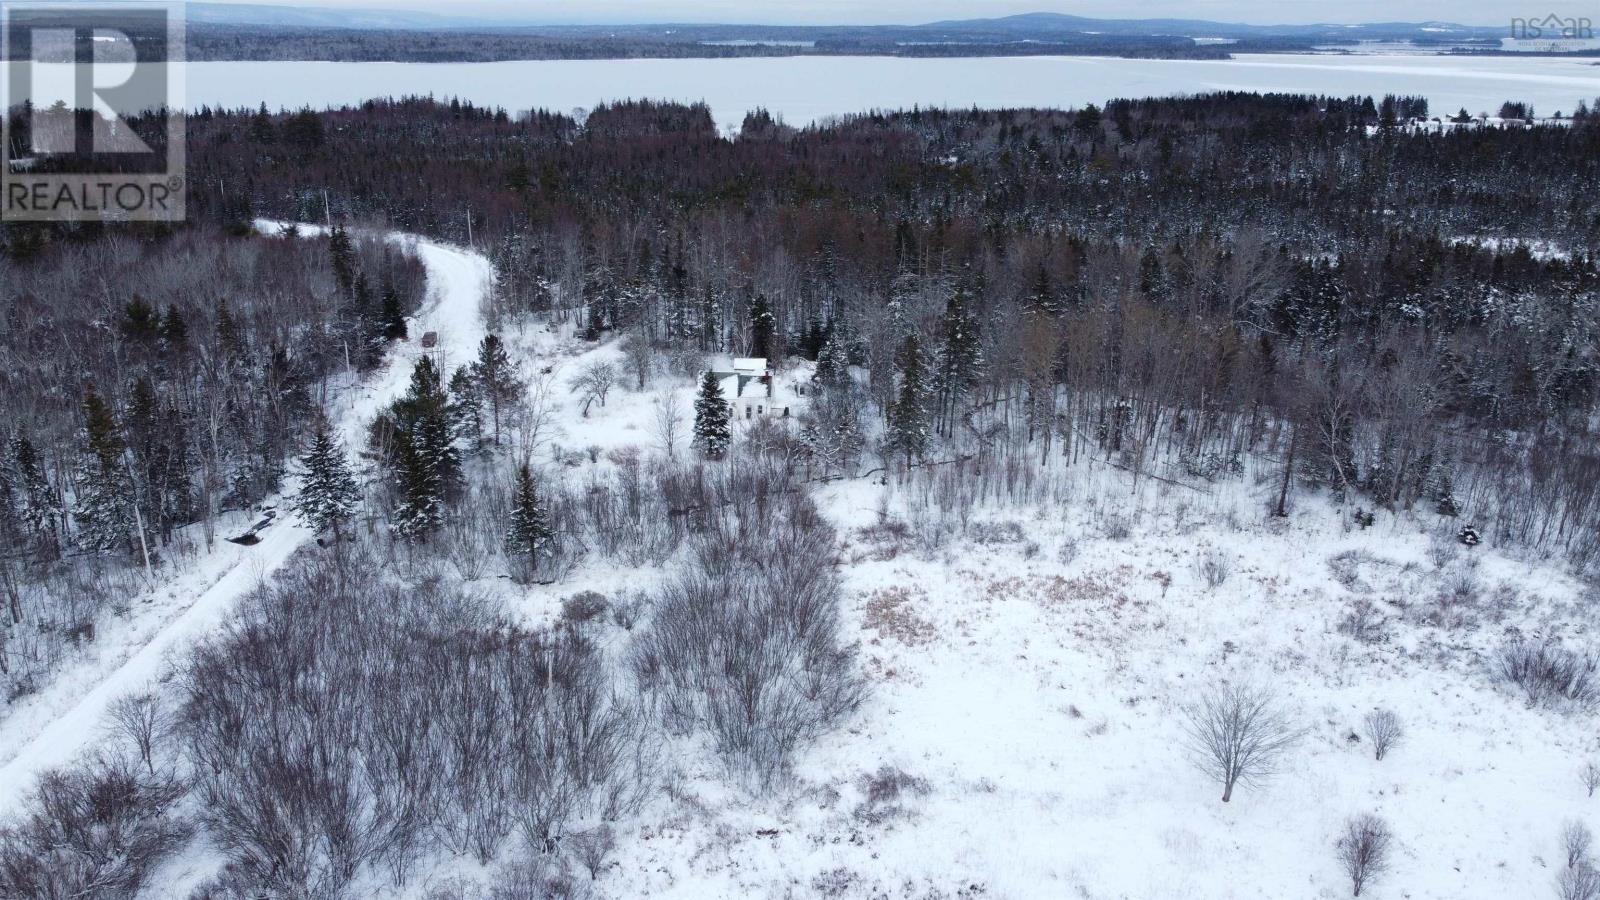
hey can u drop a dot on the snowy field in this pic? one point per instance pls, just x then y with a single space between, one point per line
1028 673
806 89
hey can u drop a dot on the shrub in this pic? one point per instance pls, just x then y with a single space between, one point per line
1580 882
584 606
1363 622
883 791
1214 567
995 533
593 847
1364 850
1384 731
1576 839
1549 673
373 721
94 831
745 643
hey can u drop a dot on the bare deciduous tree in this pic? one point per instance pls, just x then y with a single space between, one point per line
593 847
1591 776
536 421
1237 734
143 721
593 383
1578 883
1364 849
669 424
1576 839
1384 731
640 356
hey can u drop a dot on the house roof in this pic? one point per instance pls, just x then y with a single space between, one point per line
747 365
731 388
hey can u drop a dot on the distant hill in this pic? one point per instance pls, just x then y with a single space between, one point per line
1035 26
1046 23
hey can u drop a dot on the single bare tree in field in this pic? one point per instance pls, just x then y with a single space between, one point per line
1364 850
1237 733
1383 729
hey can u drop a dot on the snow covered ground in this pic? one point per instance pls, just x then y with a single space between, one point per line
51 727
1028 675
1023 737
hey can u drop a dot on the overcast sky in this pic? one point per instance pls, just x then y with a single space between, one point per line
1471 12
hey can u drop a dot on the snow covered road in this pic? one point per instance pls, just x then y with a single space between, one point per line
54 726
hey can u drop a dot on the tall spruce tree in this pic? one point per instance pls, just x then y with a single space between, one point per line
908 415
713 419
763 328
38 507
391 318
832 368
496 376
961 356
329 495
103 509
343 253
427 465
529 537
466 407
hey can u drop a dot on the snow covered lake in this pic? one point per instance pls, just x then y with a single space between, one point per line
806 89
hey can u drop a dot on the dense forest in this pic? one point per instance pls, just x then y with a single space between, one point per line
1314 290
1404 315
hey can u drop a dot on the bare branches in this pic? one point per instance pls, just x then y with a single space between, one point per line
593 383
1237 734
1576 840
1364 850
1384 731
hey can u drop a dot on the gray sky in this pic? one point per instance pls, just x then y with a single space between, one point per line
1471 12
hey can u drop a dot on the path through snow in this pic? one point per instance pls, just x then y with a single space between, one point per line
57 724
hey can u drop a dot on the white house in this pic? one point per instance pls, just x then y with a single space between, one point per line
747 384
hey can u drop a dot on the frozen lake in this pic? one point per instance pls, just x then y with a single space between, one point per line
806 89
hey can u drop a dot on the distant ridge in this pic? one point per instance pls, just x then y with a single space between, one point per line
1037 25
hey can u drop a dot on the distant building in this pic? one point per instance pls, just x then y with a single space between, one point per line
747 384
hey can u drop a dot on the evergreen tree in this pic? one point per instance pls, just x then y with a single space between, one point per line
231 344
174 332
427 464
391 318
908 415
104 505
961 357
37 505
157 440
763 328
832 368
328 494
496 378
466 406
343 254
713 419
529 536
